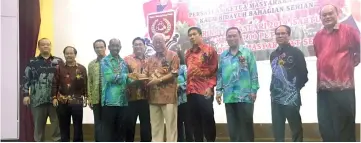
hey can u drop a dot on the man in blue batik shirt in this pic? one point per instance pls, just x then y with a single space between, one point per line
114 100
237 83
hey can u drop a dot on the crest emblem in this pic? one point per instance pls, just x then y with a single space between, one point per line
161 26
162 22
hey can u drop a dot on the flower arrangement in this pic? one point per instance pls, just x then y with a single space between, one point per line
281 62
204 58
280 59
242 61
78 74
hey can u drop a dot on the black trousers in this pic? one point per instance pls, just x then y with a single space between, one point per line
336 115
185 132
97 122
65 113
112 121
240 121
138 108
202 116
279 115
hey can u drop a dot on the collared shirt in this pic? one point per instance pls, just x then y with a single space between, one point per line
158 66
182 82
38 77
289 75
237 76
136 65
202 67
114 81
337 54
94 81
70 84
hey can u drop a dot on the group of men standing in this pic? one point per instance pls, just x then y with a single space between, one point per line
179 88
118 91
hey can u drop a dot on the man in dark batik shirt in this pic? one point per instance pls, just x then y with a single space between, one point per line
38 78
69 89
289 76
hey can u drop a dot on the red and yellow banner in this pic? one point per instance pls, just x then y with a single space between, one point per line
257 20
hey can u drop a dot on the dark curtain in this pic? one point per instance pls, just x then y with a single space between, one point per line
29 25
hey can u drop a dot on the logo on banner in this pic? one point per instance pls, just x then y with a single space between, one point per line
162 22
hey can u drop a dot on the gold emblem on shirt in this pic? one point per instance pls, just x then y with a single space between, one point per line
78 76
281 62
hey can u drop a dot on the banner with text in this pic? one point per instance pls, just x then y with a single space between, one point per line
257 20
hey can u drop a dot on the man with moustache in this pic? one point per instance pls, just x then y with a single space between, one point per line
162 69
38 78
114 100
202 63
289 76
138 102
237 82
94 86
69 95
337 48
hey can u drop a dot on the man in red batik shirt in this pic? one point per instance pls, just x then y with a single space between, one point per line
337 48
202 64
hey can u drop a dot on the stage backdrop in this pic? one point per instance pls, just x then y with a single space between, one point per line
9 61
79 23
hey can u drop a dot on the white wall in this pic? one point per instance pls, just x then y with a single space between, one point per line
9 69
81 24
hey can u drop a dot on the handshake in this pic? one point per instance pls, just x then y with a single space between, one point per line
142 78
138 76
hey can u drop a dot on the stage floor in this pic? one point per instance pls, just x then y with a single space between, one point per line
263 133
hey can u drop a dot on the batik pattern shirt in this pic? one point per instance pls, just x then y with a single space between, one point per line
337 52
114 81
70 84
289 75
182 82
237 76
94 81
202 66
136 65
158 66
38 78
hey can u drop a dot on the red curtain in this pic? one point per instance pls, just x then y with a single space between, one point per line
29 25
